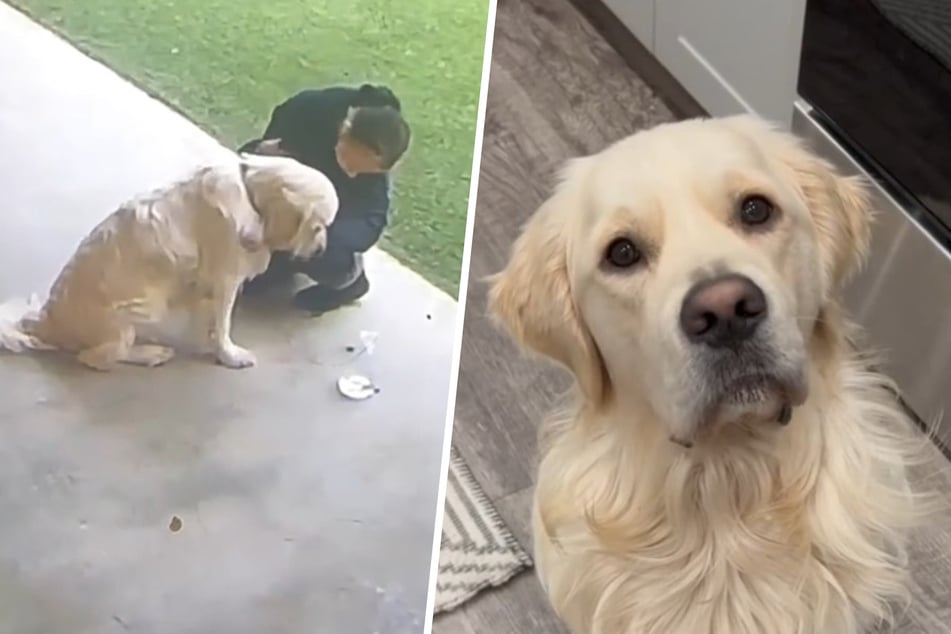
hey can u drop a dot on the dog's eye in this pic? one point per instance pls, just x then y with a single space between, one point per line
755 210
622 253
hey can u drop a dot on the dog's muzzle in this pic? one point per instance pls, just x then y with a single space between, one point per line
741 376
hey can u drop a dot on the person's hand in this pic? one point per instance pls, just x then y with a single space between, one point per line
271 147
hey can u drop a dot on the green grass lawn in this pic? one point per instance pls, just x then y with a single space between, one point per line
226 63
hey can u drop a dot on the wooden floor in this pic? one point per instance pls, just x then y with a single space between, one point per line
557 90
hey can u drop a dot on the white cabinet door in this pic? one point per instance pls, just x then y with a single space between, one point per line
733 56
637 16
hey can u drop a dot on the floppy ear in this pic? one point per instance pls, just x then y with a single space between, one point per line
532 298
841 212
310 237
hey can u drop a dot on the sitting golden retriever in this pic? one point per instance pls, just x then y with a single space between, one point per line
730 465
184 250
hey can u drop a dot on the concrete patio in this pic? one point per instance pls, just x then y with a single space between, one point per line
296 511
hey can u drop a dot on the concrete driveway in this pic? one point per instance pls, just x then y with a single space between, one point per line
293 509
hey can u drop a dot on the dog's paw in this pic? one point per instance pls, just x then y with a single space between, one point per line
102 358
236 357
150 355
96 363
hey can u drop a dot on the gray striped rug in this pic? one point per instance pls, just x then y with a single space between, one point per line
478 550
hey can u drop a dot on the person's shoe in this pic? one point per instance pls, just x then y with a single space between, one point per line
321 299
266 283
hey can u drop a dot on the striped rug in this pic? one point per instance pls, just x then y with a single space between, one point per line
478 550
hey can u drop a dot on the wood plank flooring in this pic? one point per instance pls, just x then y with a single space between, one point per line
557 90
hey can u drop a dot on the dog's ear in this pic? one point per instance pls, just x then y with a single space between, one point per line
840 206
533 300
296 223
310 235
841 212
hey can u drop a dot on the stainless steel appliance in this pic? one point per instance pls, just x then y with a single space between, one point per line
875 88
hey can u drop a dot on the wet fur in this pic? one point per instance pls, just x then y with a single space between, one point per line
180 251
795 529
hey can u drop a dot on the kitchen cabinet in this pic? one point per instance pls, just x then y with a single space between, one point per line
733 56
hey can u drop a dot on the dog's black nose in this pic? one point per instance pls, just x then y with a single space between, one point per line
723 312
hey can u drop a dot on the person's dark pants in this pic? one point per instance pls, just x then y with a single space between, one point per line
338 273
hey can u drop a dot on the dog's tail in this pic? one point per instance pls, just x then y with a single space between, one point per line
17 318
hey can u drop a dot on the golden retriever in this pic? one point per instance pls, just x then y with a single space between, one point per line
181 251
730 465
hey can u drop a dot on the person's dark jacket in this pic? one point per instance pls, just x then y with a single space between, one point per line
308 125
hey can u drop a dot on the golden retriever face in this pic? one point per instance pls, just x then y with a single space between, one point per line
297 203
685 268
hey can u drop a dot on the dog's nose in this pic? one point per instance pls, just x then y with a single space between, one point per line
723 311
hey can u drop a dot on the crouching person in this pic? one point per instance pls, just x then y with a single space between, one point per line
355 136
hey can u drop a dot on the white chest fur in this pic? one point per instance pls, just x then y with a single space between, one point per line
798 532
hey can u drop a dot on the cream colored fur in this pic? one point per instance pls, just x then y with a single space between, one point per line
758 528
180 251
